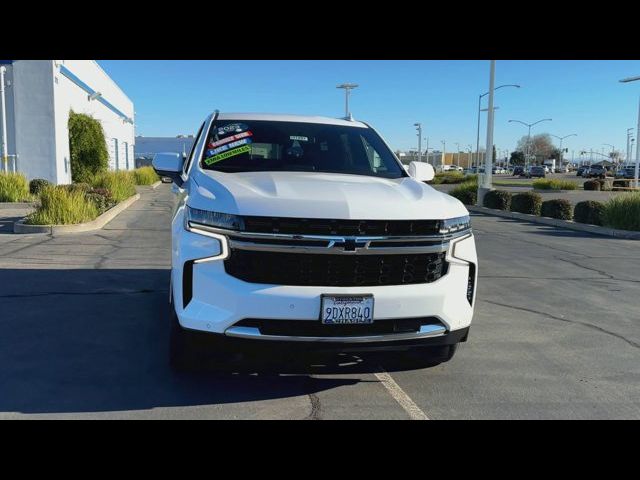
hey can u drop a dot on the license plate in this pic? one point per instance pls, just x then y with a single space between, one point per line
346 309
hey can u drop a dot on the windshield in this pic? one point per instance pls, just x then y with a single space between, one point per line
259 145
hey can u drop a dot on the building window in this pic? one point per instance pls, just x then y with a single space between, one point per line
116 155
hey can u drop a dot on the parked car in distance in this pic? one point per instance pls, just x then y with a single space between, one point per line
596 171
519 171
580 170
626 172
450 168
536 171
272 244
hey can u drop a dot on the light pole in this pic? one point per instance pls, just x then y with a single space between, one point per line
561 151
458 150
529 125
635 175
347 92
469 156
444 151
612 150
419 129
5 154
629 135
485 185
479 110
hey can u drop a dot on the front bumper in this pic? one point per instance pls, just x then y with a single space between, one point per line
217 301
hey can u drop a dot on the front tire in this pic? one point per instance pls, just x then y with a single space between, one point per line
194 351
183 347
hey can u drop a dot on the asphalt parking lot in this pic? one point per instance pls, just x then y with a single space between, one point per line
84 332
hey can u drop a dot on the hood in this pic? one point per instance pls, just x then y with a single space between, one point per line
320 195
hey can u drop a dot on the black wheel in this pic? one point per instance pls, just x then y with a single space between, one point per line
193 351
183 347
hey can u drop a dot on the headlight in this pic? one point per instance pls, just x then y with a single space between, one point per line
454 225
195 217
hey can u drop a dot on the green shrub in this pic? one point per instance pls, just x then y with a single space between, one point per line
498 199
466 192
59 206
558 208
589 212
622 183
14 188
527 202
102 199
37 184
591 185
623 212
120 184
145 176
554 184
78 187
87 147
605 184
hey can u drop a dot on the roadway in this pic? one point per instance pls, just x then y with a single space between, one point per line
84 331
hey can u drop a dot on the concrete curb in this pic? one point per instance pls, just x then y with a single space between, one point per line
580 227
16 205
97 224
146 188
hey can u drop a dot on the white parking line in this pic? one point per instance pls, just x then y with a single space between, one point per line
400 396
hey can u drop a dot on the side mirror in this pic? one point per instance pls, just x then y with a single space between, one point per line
423 172
169 165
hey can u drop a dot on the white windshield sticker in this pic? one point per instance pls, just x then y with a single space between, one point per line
300 139
232 128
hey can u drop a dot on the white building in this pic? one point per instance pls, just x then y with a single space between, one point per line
39 94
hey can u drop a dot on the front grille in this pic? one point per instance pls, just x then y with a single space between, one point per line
319 226
339 270
306 328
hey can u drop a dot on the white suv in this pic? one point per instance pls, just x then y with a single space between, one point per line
307 231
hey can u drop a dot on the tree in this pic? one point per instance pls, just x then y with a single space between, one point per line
87 147
539 145
517 158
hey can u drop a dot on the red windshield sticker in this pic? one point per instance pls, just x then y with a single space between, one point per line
230 139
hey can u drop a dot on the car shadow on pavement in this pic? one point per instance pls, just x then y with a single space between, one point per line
6 224
90 340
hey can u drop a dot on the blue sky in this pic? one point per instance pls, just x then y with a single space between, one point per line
583 97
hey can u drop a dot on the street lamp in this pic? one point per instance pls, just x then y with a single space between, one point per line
485 185
561 151
629 135
347 92
526 160
612 150
3 109
458 150
479 110
470 156
635 176
419 129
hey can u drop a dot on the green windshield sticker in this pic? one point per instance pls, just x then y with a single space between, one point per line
225 155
